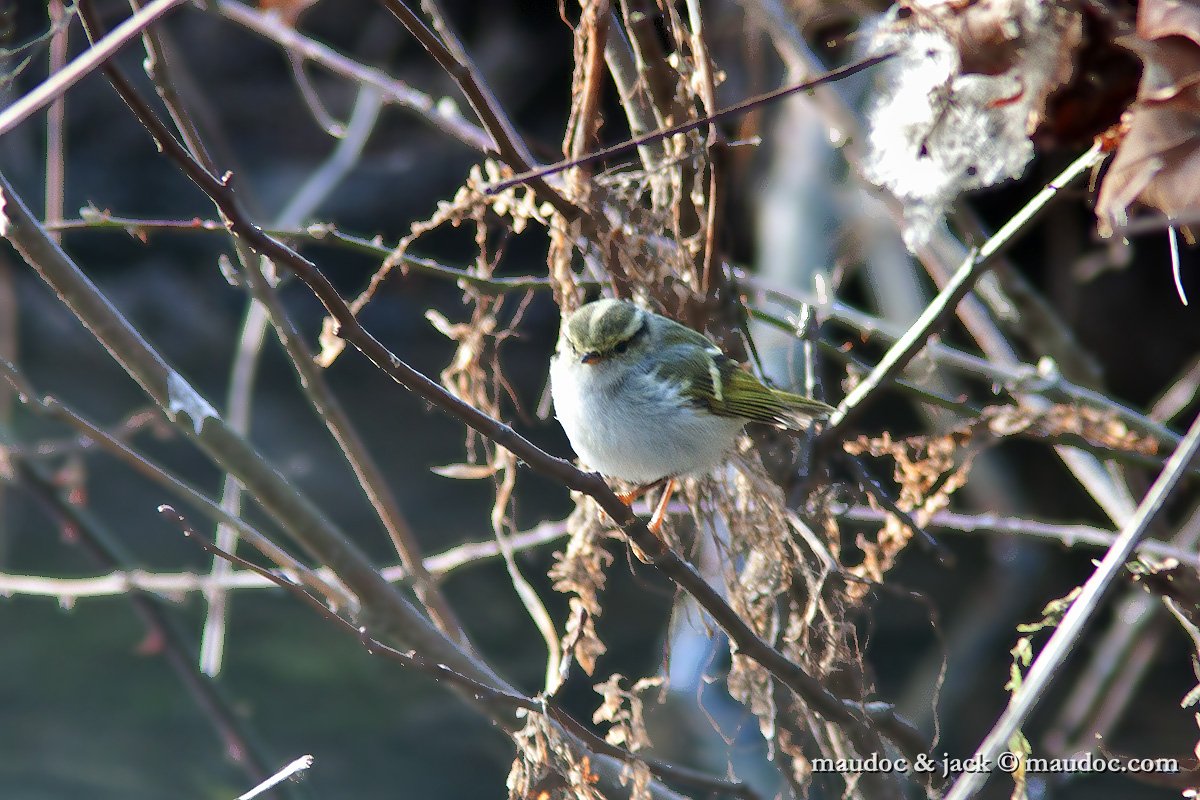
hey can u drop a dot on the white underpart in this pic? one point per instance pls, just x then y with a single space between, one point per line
626 422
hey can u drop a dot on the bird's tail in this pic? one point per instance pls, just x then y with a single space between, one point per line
797 412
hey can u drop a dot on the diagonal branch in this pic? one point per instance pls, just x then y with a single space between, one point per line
515 701
1065 636
508 143
941 307
87 62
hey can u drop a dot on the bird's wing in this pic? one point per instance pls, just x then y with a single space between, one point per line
730 391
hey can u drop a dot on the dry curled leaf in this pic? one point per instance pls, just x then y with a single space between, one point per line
546 765
579 570
929 469
1158 160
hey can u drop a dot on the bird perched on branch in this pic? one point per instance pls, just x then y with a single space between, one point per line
643 398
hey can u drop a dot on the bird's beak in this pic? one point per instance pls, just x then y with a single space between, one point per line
589 358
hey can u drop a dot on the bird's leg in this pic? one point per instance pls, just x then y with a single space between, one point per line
633 494
660 512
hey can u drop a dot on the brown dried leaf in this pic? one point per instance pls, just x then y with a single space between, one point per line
624 710
1158 161
581 638
580 571
929 469
750 684
546 766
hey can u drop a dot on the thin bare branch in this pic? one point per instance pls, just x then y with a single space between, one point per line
534 175
178 584
506 142
56 117
83 64
1068 535
441 113
299 765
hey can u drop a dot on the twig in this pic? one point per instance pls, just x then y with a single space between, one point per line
935 314
1019 379
56 118
1068 535
440 113
318 233
81 65
308 93
875 489
176 584
507 142
534 175
1063 640
1179 395
620 58
711 276
299 765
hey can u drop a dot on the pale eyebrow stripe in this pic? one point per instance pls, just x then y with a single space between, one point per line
635 324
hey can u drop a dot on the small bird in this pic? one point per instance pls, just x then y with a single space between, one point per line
643 398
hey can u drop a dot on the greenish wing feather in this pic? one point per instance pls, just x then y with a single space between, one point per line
690 360
743 395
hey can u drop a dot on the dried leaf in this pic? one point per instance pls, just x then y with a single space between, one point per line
465 472
580 571
581 638
1158 160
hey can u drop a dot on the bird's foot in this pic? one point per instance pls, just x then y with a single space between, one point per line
660 511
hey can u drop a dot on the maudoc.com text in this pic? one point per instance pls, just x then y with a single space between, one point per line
1006 762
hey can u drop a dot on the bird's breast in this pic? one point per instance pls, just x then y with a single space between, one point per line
635 427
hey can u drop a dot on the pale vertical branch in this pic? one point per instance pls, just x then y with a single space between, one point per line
525 592
9 317
56 118
635 98
240 398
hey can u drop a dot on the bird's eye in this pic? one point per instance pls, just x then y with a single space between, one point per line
621 348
